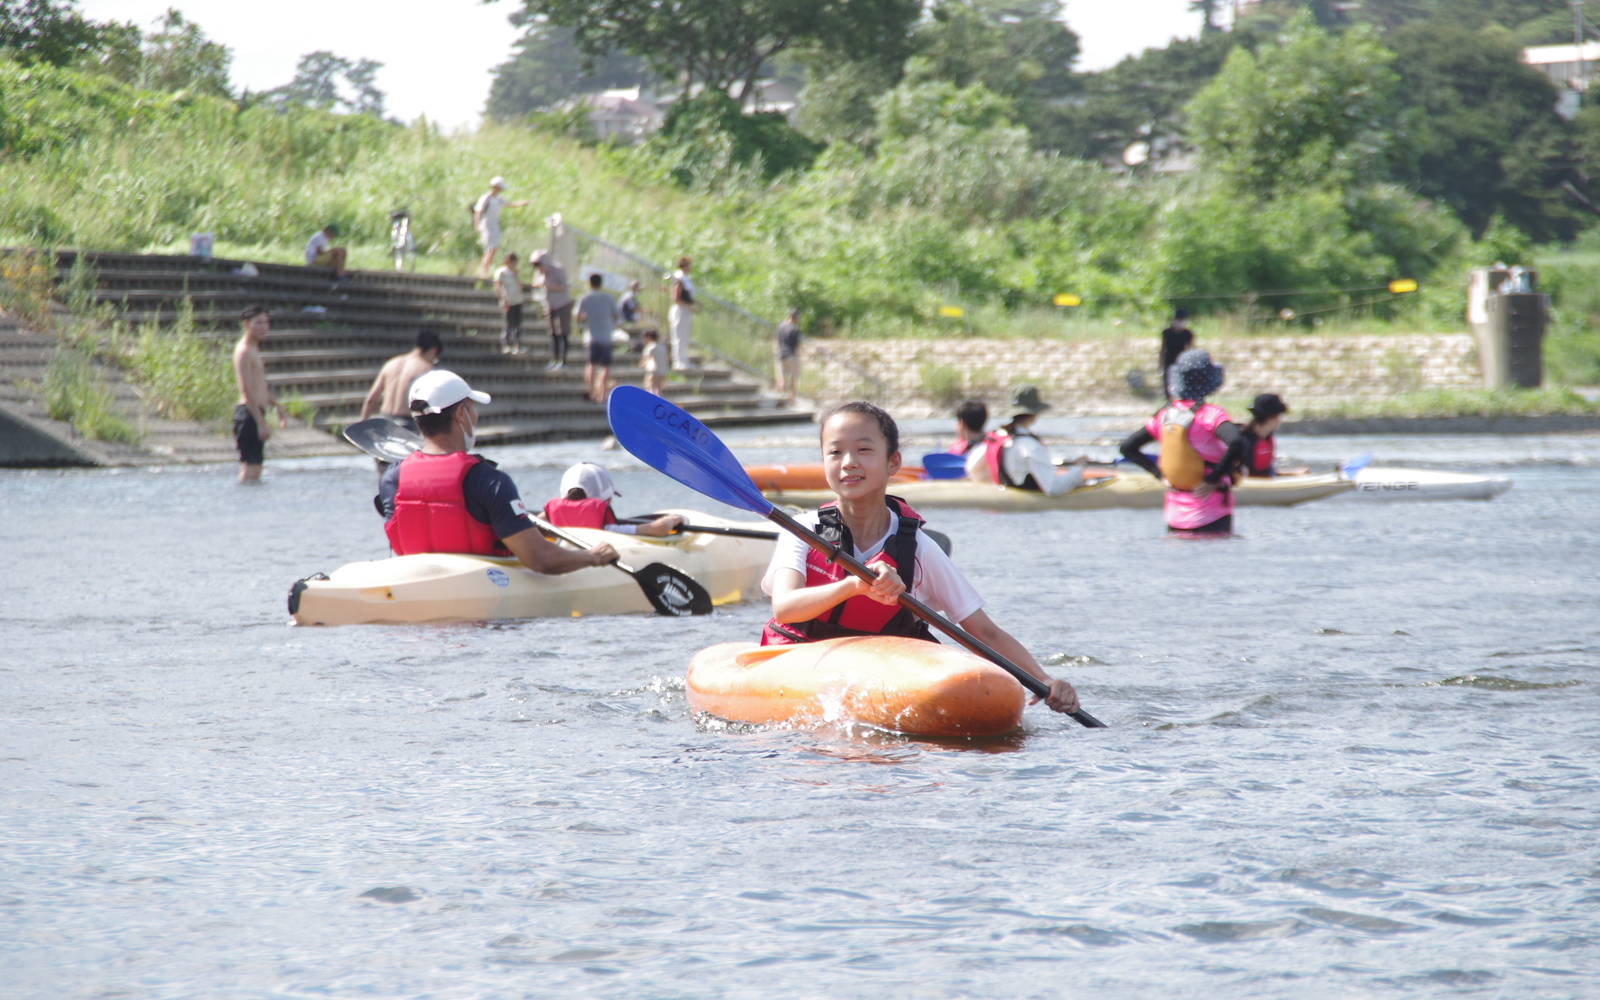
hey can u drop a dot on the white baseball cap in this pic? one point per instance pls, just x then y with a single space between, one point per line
594 481
497 182
440 389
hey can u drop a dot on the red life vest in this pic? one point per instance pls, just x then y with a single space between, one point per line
1262 454
858 615
590 513
430 510
994 443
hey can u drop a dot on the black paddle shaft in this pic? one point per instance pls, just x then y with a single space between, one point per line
705 529
927 614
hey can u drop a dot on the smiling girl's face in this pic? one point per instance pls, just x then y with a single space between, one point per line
855 456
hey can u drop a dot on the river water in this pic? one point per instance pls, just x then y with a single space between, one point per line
1353 752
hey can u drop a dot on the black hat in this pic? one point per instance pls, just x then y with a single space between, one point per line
1180 314
1193 375
1268 405
1026 403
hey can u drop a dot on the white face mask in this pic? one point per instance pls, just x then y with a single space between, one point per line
470 437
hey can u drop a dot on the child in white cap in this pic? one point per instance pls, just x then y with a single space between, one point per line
585 502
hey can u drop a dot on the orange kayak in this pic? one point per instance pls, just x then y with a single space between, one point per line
903 685
795 476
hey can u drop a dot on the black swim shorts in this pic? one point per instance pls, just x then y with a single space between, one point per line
247 436
600 352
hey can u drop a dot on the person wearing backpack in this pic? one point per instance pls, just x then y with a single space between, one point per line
1200 447
486 220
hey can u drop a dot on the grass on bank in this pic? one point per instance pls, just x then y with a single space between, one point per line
74 391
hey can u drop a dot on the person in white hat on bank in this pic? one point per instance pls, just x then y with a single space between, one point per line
585 502
443 498
486 220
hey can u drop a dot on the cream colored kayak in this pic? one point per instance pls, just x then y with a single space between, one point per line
444 588
1138 490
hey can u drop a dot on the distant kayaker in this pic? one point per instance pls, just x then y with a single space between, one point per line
1266 414
971 417
813 599
1175 339
1198 448
1015 456
585 502
445 499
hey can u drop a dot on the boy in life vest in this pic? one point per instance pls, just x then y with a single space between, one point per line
1199 447
1266 414
1015 456
585 502
443 498
971 417
813 599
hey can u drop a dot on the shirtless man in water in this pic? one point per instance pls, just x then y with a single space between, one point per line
250 430
394 382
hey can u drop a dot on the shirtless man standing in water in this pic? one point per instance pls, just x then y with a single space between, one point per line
250 430
393 383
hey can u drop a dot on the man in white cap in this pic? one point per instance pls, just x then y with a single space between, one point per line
585 502
443 498
486 220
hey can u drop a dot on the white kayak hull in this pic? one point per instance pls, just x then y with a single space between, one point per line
443 587
1425 484
1139 491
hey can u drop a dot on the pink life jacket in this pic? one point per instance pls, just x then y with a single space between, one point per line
1262 456
589 513
430 510
859 615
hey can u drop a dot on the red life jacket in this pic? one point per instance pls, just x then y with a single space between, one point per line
859 615
994 443
590 513
430 510
1262 454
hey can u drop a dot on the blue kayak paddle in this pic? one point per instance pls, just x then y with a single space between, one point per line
674 443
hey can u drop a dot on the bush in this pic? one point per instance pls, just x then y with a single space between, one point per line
72 390
189 378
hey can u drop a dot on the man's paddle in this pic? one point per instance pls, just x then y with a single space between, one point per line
670 591
939 538
672 442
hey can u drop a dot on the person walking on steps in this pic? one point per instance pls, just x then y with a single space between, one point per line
814 598
486 220
1175 339
557 306
597 311
787 368
1199 448
1015 456
508 289
443 498
680 316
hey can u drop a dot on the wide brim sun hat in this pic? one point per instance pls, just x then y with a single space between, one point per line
1194 376
1026 403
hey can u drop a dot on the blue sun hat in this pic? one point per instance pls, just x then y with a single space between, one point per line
1194 376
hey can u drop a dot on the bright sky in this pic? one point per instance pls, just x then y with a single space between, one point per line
437 64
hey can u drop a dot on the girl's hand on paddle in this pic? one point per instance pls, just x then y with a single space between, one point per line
602 554
886 589
1062 696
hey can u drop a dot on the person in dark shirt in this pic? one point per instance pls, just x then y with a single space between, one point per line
787 369
1266 414
1175 339
415 495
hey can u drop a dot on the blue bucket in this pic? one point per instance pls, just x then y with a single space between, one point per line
940 465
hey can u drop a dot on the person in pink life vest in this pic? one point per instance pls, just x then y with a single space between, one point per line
1266 414
585 502
971 417
813 599
443 498
1015 456
1200 448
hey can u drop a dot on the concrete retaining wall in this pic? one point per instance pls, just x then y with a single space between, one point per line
926 377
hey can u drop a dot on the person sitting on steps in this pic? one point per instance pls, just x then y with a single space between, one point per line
443 498
585 502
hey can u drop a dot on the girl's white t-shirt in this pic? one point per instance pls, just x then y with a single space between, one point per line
936 582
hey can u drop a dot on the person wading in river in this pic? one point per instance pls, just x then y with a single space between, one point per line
814 599
443 498
391 389
1198 448
250 430
1014 455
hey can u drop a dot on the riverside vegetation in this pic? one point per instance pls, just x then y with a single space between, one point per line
950 205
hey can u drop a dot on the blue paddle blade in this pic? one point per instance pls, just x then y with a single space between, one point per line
675 444
1355 465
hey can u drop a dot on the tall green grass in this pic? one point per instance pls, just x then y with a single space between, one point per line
187 376
72 390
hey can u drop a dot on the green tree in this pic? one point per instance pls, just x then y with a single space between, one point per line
178 56
316 84
47 31
1483 135
721 43
546 69
1015 48
1316 110
706 137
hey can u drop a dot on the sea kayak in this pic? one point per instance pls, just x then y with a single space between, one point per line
1138 490
903 685
443 587
1426 484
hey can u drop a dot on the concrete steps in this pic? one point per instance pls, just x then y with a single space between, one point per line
330 338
